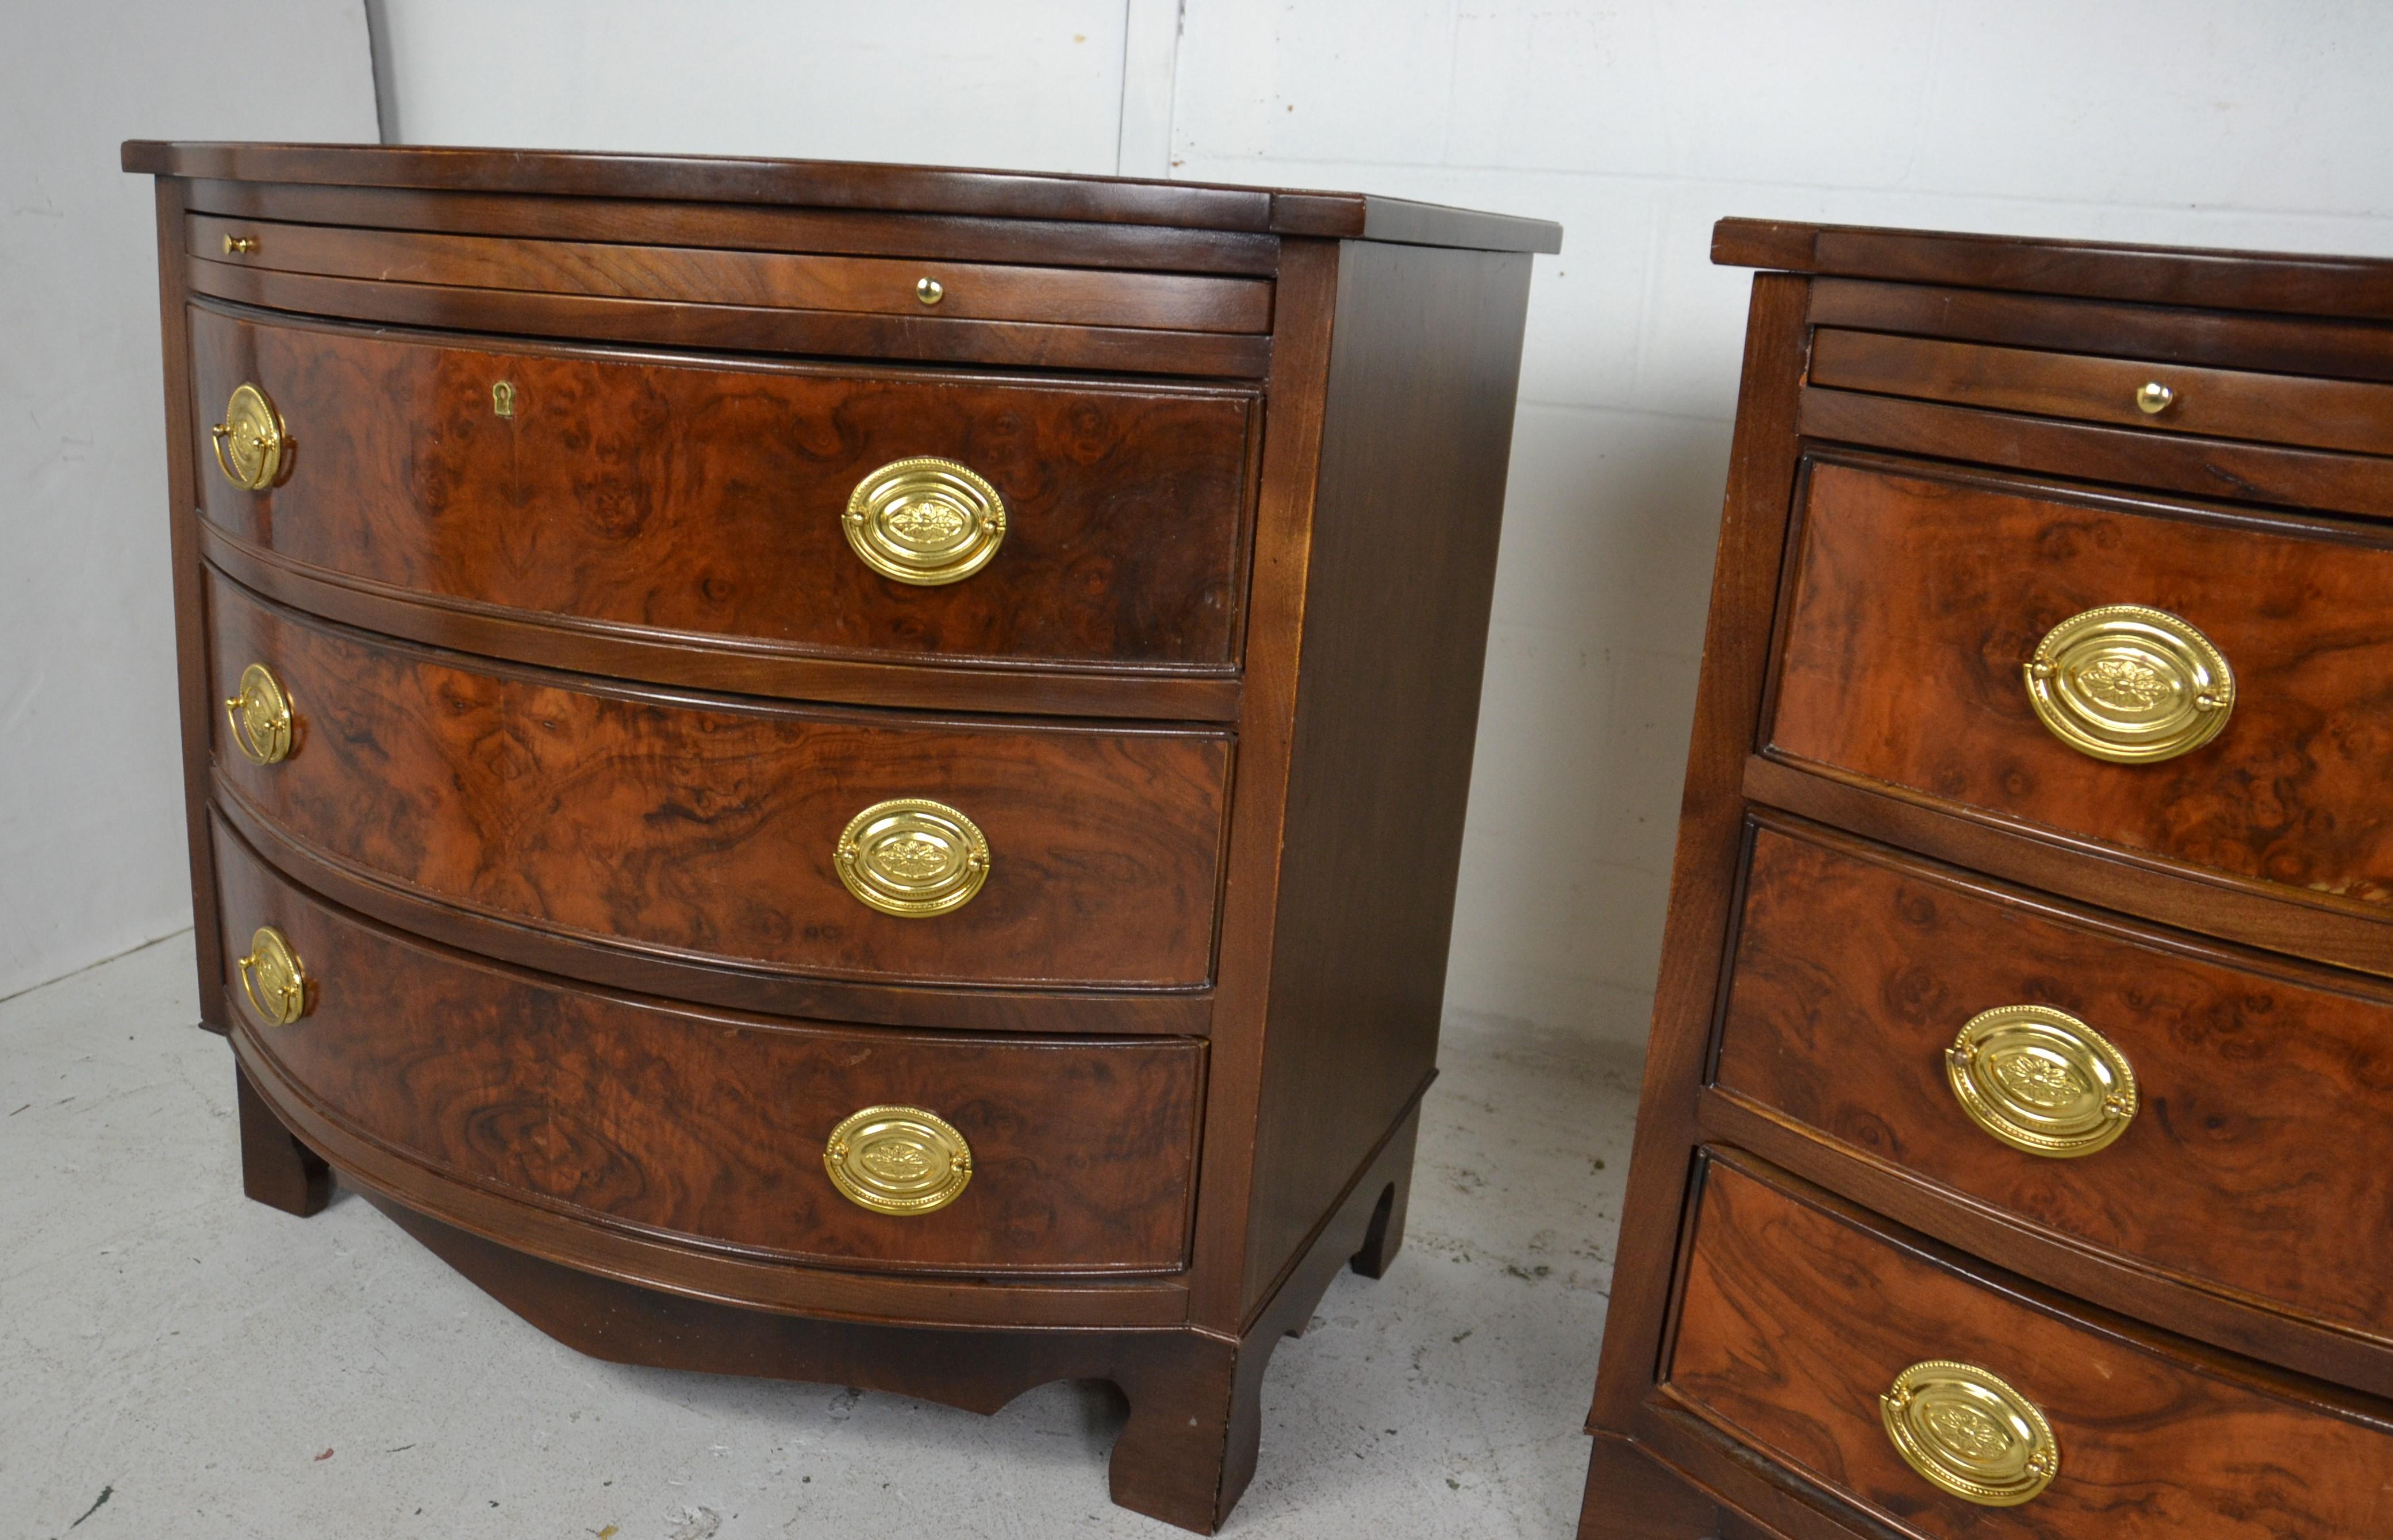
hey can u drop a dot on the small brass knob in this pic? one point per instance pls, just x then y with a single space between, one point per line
2041 1081
252 448
1968 1432
912 857
925 521
2153 399
273 978
260 717
929 290
240 245
897 1160
2130 684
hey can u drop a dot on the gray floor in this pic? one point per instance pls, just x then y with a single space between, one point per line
202 1367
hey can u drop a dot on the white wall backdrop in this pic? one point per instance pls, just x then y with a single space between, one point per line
91 844
1636 123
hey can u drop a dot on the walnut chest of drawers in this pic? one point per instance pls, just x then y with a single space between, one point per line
2016 1151
838 772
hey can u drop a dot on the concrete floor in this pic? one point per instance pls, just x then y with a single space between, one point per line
200 1366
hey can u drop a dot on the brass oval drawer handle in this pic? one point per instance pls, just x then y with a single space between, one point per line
240 245
2153 399
252 447
1968 1432
897 1160
2041 1081
925 521
261 717
2129 683
911 857
273 978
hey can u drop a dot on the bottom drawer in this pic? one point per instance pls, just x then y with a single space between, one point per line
1075 1156
1797 1316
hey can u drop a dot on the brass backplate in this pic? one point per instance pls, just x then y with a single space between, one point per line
2130 684
924 521
897 1160
911 857
2041 1081
273 978
1967 1430
261 717
252 447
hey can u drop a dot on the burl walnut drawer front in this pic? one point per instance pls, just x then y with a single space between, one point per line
802 509
1037 1156
2174 1110
2214 690
1821 1339
2170 398
846 844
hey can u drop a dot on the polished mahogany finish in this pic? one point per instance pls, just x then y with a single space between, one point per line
684 501
1947 448
538 916
1169 302
709 828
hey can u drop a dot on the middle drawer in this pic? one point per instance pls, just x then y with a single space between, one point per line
2145 1095
846 844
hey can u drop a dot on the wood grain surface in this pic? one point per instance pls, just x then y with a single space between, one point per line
2310 283
2277 345
849 185
969 290
711 1125
752 226
701 499
2225 403
707 827
1920 596
1793 1318
2243 1168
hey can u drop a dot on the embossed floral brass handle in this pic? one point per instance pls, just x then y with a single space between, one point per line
897 1160
261 717
252 449
1967 1432
2041 1081
2130 684
912 857
273 978
925 521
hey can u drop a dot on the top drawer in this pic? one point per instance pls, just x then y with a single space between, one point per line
766 506
2168 398
2207 688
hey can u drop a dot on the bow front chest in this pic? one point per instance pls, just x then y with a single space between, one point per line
838 772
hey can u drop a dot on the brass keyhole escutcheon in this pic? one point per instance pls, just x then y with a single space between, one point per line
273 978
2129 683
897 1160
1968 1432
925 521
261 717
252 449
503 399
2041 1081
2153 399
912 857
930 291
